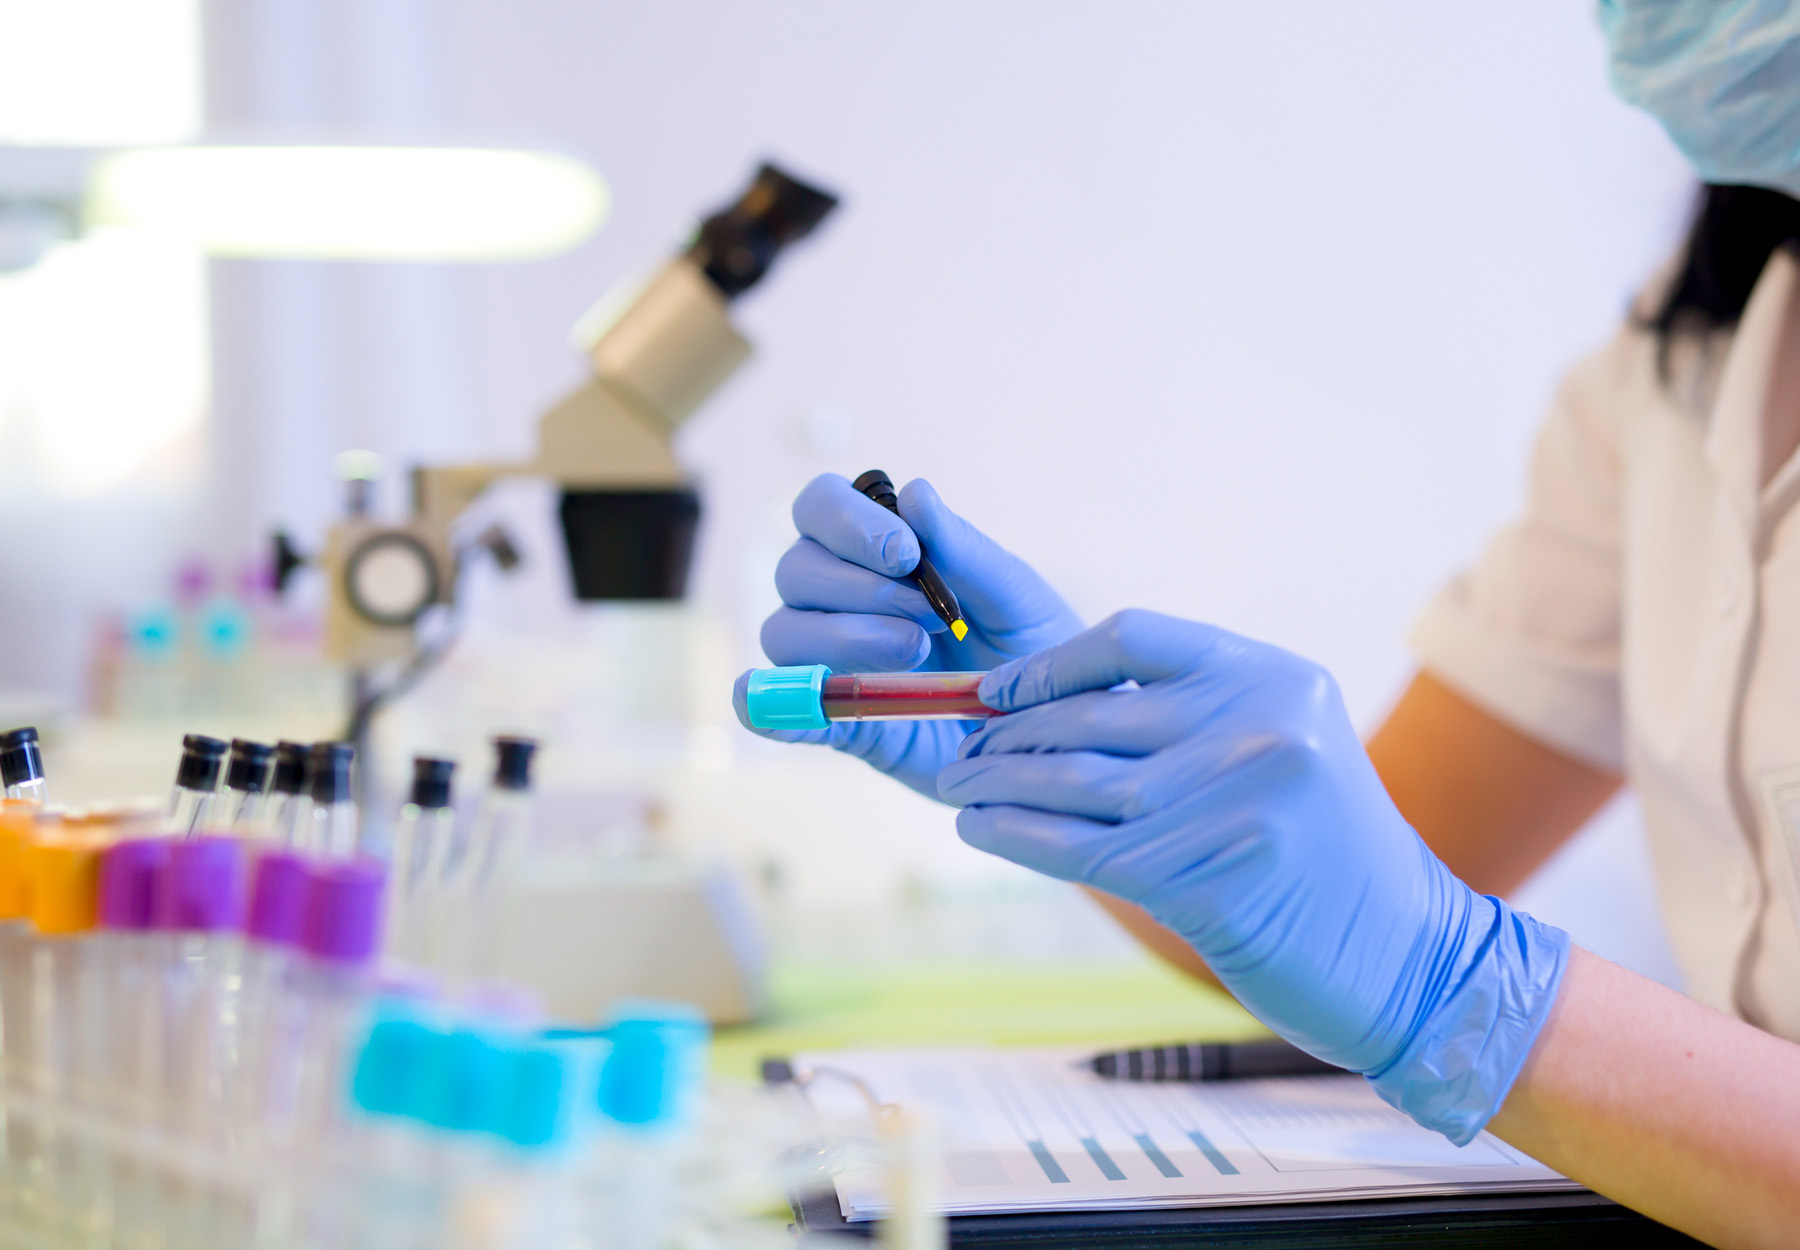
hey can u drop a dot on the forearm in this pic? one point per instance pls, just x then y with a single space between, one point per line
1491 802
1664 1105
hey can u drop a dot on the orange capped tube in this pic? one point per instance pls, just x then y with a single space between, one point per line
64 876
17 824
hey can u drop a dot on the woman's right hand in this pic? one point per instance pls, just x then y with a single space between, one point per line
843 606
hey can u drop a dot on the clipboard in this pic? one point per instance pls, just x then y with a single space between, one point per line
1564 1220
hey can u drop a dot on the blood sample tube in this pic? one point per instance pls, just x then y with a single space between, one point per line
812 697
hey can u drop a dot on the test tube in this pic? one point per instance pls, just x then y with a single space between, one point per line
132 873
447 1084
290 803
22 765
390 1088
538 1106
649 1088
502 825
465 1116
246 782
297 1001
196 784
201 906
333 808
263 1086
812 696
426 827
18 821
66 1029
473 883
18 994
340 936
278 886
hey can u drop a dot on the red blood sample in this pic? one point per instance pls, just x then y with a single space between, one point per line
903 696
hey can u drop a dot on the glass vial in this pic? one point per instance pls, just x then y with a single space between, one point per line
500 828
333 831
289 802
196 784
246 782
426 826
22 765
467 931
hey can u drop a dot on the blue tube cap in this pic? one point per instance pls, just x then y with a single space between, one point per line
393 1071
471 1083
787 698
653 1073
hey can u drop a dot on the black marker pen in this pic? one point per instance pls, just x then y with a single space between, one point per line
1209 1061
937 591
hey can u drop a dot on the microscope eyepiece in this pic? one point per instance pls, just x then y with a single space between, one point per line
736 246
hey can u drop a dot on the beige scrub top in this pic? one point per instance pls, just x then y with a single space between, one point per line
1643 615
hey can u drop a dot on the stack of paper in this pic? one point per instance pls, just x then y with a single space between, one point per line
1035 1131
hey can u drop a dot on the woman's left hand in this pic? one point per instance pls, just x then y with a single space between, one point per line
1227 793
844 604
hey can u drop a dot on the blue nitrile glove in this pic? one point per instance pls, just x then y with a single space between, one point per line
844 608
1228 795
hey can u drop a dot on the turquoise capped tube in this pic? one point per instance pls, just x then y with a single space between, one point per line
788 698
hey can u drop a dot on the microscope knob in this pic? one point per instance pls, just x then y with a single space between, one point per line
390 578
288 560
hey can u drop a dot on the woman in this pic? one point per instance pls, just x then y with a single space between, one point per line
1641 622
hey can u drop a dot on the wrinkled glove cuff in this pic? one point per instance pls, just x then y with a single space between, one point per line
1462 1062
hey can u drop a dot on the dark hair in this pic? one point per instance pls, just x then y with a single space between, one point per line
1735 231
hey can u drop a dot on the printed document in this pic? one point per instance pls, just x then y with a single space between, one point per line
1035 1130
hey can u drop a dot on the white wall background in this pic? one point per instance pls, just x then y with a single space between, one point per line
1244 312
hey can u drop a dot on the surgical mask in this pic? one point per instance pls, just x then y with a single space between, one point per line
1723 78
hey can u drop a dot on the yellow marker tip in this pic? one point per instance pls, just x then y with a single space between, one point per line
960 628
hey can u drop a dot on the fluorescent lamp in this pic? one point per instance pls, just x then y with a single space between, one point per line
354 203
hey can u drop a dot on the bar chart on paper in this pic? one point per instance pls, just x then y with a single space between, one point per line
1033 1131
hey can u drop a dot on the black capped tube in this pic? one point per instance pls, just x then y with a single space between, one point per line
291 803
423 837
479 876
291 765
333 824
512 762
431 781
248 768
246 781
196 783
22 765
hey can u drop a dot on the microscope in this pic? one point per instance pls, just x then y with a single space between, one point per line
628 510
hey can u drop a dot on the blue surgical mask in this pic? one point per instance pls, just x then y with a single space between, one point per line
1723 78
